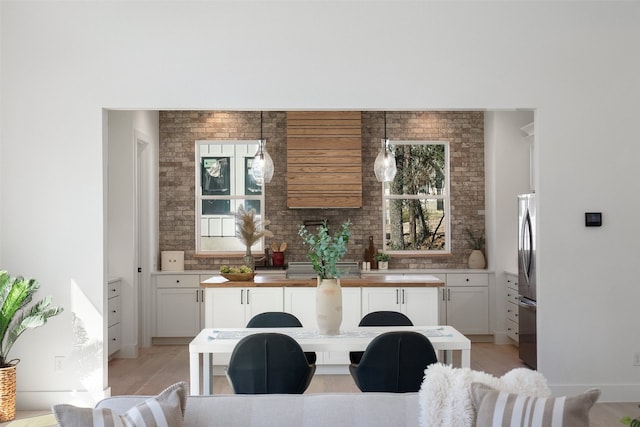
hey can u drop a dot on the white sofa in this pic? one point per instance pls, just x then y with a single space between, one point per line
308 410
448 397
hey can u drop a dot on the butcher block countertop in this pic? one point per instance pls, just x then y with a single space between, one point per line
417 280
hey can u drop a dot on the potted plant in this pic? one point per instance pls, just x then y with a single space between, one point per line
325 250
476 258
383 260
249 230
15 318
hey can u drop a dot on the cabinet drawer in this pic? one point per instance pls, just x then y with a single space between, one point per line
113 288
114 334
114 311
512 330
178 281
468 279
512 296
512 284
512 312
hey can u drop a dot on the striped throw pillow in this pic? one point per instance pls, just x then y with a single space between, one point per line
164 410
501 409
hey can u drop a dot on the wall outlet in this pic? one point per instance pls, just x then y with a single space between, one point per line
636 358
58 363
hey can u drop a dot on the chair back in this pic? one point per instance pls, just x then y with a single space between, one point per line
380 318
269 363
385 318
274 319
279 319
394 362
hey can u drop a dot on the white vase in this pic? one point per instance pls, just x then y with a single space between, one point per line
329 306
383 265
476 259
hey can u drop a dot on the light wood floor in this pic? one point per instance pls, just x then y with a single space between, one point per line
160 366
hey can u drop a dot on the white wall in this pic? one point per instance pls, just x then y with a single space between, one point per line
62 62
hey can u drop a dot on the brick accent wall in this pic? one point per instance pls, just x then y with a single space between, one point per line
180 129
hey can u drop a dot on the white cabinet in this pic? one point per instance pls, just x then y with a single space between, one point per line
233 307
178 309
464 303
419 304
301 302
114 332
512 306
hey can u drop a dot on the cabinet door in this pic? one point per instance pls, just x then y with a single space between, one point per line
468 309
260 300
420 305
379 299
301 302
177 312
225 308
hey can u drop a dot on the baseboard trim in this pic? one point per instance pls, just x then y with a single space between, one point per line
609 392
480 338
127 352
171 340
501 338
43 400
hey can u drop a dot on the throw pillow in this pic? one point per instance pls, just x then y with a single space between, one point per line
166 409
498 408
445 399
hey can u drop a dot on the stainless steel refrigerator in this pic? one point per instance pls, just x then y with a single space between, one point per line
527 279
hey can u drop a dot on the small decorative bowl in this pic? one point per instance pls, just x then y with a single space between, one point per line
238 277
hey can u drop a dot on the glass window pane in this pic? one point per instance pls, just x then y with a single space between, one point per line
421 170
216 207
415 224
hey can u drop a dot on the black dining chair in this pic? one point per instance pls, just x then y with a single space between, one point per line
279 319
269 363
394 362
380 318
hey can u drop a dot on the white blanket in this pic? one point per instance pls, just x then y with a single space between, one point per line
445 400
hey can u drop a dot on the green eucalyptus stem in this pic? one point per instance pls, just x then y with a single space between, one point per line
326 250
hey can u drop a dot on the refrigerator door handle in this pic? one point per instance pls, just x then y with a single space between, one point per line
532 305
527 245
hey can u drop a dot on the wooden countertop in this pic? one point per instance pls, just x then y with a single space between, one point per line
422 280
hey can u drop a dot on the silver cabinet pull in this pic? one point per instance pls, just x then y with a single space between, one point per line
397 296
247 296
241 296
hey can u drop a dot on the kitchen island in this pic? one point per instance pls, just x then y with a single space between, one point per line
231 304
390 281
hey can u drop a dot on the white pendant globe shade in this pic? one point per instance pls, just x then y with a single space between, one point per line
262 165
385 164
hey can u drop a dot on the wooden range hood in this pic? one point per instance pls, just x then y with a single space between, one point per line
324 159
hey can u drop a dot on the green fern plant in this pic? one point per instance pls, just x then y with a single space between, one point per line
16 293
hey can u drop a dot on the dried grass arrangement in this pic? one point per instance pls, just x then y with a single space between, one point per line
249 229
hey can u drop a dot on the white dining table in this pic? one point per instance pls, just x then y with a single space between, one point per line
223 340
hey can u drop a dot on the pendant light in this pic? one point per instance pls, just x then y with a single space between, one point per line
385 164
262 165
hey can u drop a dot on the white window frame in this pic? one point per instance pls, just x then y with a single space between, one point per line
446 197
237 180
